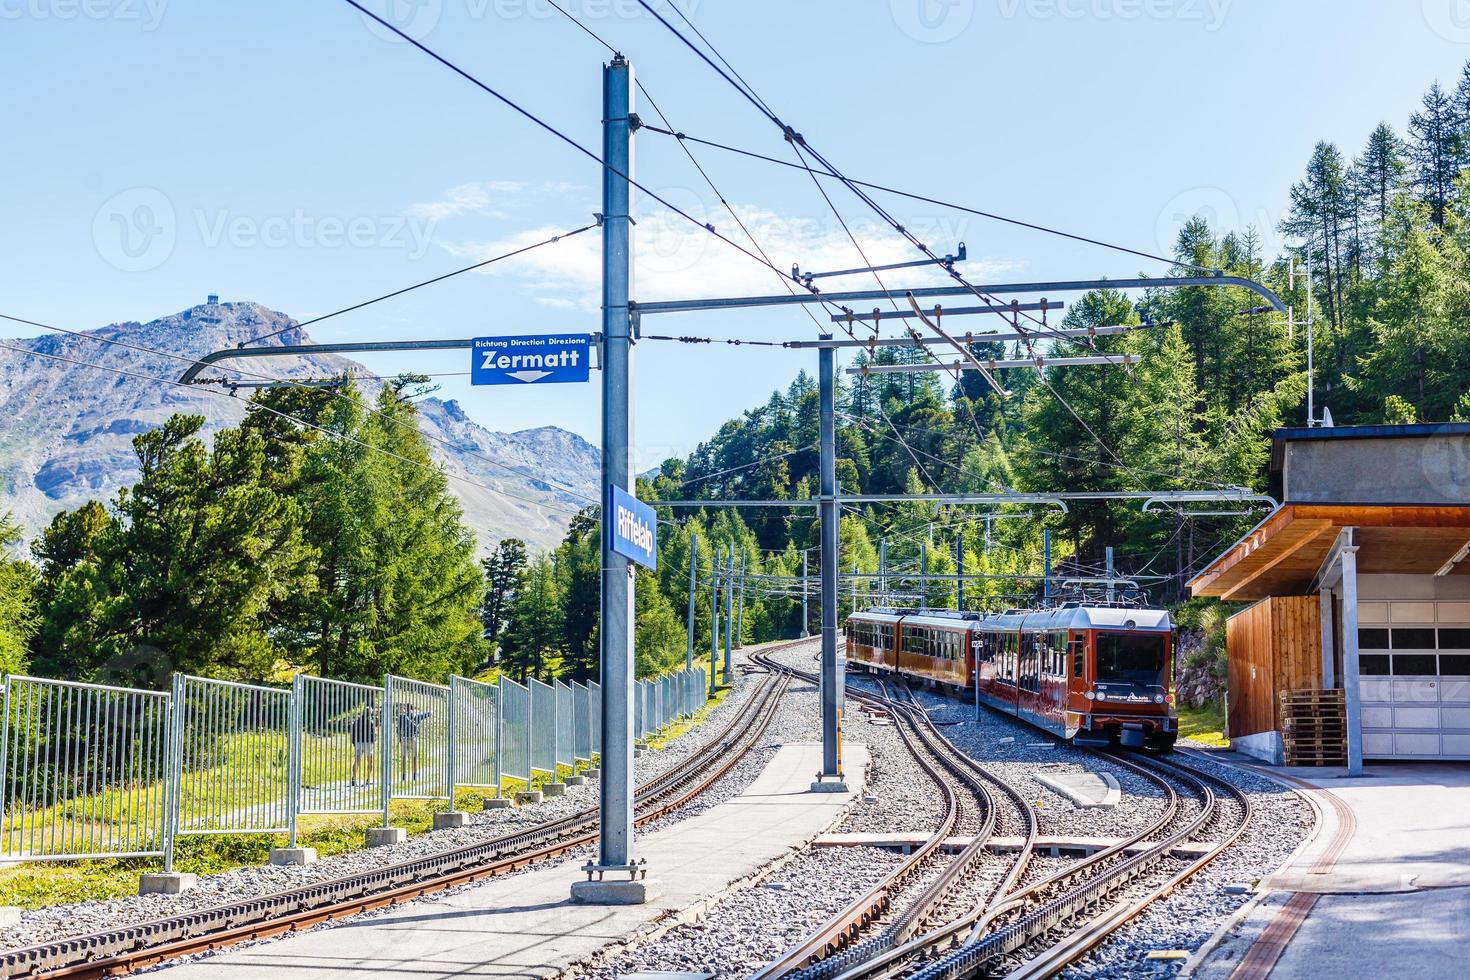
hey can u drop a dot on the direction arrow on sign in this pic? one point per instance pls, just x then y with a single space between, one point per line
531 359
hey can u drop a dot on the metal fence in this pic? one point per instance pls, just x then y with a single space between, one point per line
474 734
85 770
515 730
543 727
566 718
92 771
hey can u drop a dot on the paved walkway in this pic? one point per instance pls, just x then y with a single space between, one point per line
525 926
1383 890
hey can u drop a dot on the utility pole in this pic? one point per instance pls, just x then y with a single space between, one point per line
959 567
714 621
729 677
1046 566
883 571
740 606
830 778
615 847
693 567
923 575
1110 574
854 587
805 591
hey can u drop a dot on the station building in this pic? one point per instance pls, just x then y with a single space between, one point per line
1359 582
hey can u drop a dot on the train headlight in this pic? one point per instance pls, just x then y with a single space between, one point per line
1158 699
1089 695
1102 695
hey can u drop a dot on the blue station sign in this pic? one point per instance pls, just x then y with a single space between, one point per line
533 359
632 527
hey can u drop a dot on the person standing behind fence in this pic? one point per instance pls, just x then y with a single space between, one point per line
409 722
363 731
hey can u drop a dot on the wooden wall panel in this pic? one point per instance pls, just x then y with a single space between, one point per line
1273 646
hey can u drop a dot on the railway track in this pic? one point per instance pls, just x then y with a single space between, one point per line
1033 930
121 950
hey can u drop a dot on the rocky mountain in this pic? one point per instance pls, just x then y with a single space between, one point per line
66 427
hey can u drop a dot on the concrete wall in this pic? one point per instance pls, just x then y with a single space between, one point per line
1425 470
1413 587
1265 746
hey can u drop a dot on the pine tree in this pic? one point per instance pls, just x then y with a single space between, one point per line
1434 150
534 628
1380 174
504 569
18 617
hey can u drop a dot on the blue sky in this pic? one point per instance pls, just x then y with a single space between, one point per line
297 158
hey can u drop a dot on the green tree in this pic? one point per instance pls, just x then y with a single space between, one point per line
533 631
504 569
18 617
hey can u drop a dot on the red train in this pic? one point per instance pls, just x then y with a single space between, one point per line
1096 675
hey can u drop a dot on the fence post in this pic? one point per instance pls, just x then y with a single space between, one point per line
499 734
386 753
175 770
4 749
451 774
293 757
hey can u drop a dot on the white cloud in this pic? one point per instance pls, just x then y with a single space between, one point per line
677 259
489 198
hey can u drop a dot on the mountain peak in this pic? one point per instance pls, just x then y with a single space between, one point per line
70 426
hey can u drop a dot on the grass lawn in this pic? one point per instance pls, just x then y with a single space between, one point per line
1205 724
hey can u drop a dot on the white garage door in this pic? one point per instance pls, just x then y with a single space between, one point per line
1414 659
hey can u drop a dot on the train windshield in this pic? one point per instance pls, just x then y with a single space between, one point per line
1130 658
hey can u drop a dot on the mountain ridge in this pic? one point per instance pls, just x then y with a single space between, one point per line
69 426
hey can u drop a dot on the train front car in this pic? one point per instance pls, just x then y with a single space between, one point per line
1123 696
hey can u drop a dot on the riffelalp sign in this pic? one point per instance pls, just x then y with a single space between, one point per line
632 527
531 359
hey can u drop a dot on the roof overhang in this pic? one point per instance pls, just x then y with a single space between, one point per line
1282 554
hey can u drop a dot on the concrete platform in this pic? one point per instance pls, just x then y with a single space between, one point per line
527 926
1383 889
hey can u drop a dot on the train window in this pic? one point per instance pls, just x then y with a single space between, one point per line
1079 656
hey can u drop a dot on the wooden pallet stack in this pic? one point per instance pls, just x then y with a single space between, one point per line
1313 728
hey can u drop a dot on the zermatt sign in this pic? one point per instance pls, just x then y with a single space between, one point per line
535 359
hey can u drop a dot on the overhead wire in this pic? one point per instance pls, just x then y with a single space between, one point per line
286 382
272 411
549 128
427 282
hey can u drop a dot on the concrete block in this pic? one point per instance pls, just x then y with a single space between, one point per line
621 892
290 857
496 803
451 820
576 780
9 916
639 751
549 790
384 836
831 786
166 883
593 773
533 796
